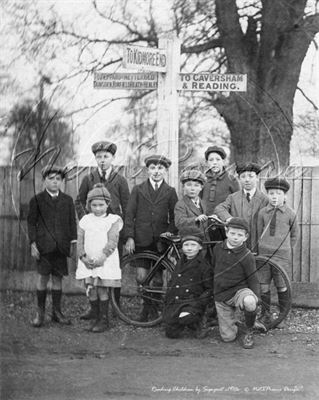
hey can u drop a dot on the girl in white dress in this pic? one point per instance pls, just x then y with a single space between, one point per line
99 264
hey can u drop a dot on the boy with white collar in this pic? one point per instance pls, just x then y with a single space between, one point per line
246 203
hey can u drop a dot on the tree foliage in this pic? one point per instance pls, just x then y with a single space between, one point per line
265 39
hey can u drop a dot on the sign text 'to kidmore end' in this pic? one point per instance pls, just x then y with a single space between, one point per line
144 58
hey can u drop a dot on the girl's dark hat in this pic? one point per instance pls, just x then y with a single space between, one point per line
191 237
253 167
53 169
215 149
277 183
104 146
193 175
157 159
238 223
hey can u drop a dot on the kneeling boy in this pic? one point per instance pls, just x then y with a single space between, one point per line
235 283
189 290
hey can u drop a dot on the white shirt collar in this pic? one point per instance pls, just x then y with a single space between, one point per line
251 192
196 202
107 172
53 194
158 183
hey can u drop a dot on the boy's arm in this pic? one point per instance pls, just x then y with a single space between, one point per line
124 195
32 220
208 285
294 230
260 224
131 214
80 201
113 237
171 212
223 209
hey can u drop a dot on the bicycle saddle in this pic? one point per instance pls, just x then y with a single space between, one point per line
169 239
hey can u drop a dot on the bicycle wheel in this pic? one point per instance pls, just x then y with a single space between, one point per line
275 316
135 297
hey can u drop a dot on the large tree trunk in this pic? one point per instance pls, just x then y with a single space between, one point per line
260 120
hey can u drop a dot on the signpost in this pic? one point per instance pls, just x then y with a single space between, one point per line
166 61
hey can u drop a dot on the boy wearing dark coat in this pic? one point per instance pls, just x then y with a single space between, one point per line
189 290
190 211
116 185
246 203
150 213
278 231
53 235
236 284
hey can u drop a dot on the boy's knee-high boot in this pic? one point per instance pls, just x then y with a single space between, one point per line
250 317
57 315
246 339
117 294
265 303
283 299
103 322
39 318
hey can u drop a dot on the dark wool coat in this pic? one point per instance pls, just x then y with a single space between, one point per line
116 184
146 219
190 288
185 214
234 269
236 205
217 188
278 247
52 224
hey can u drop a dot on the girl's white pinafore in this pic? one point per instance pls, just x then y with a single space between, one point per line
95 238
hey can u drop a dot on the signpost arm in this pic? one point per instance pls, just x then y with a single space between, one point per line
167 106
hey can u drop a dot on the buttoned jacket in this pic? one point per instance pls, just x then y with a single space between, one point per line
237 205
52 223
185 214
190 288
145 218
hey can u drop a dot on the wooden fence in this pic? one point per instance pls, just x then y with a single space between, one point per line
15 196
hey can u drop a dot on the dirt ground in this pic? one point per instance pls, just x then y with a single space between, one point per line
67 362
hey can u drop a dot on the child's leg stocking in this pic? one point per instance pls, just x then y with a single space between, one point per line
56 294
283 299
103 322
39 319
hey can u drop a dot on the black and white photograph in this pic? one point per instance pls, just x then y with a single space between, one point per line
159 212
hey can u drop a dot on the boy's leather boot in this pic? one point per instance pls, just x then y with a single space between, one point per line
57 315
283 299
103 322
95 307
38 321
247 339
265 318
93 312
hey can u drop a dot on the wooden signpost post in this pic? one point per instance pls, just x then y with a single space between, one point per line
160 69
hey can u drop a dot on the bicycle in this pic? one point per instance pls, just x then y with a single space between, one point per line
133 294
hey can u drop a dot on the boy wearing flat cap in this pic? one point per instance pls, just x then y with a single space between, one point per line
150 213
278 231
190 212
236 284
189 290
53 235
245 203
115 183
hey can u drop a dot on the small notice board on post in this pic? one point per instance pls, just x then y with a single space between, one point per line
145 58
213 82
127 81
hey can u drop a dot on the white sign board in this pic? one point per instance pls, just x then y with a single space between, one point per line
144 58
127 81
213 82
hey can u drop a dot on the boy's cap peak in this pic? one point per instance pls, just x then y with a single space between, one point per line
215 149
250 166
238 223
192 238
104 146
53 169
193 175
278 182
158 159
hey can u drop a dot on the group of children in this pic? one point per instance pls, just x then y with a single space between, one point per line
225 275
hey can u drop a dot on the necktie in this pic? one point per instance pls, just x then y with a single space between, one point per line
103 176
248 197
272 227
156 186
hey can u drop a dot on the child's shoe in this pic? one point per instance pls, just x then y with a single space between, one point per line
38 321
103 321
58 317
247 340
